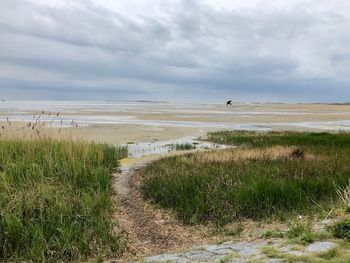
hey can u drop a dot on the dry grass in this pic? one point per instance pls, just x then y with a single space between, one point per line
242 155
19 130
344 195
43 125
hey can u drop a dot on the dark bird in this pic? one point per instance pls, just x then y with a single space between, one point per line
229 102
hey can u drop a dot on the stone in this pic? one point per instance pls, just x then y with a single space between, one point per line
198 255
274 260
287 248
221 251
320 247
236 260
297 253
248 252
166 258
222 258
240 246
290 249
239 253
218 247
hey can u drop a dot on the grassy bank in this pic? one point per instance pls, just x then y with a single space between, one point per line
55 200
311 140
270 175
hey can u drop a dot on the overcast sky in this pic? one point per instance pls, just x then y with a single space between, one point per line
209 50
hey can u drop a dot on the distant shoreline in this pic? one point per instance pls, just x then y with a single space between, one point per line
185 102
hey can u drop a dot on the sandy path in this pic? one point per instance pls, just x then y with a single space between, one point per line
148 230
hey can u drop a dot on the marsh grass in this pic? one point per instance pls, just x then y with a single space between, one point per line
313 140
264 179
55 200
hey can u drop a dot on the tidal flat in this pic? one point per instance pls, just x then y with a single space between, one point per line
120 122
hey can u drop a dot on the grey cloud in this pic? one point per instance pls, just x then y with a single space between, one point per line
298 53
88 25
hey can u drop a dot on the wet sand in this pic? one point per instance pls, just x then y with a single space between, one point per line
123 122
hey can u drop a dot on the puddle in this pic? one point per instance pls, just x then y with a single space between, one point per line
163 147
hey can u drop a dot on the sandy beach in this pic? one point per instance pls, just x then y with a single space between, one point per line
125 122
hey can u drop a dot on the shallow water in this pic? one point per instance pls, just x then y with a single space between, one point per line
163 147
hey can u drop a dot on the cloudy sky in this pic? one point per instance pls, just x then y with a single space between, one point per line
208 50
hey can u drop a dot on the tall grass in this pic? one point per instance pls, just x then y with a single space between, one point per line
315 140
55 200
260 182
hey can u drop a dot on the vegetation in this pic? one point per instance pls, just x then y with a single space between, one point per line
184 146
271 174
315 140
55 200
303 233
339 254
273 234
341 229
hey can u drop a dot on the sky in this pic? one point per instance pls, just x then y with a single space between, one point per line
175 50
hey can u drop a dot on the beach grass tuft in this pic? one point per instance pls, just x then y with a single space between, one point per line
55 200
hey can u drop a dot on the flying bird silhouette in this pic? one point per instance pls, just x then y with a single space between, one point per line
229 102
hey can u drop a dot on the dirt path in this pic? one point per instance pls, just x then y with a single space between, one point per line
148 230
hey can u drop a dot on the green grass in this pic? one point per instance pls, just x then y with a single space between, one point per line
340 254
55 200
302 233
313 140
184 146
273 234
341 229
200 188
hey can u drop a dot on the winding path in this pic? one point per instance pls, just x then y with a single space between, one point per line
148 230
